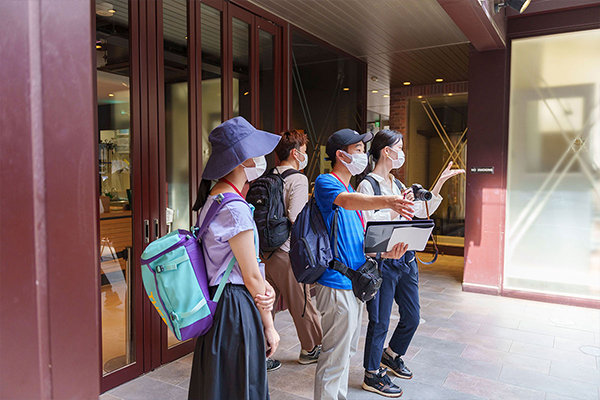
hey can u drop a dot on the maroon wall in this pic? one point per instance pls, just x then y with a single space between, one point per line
49 291
485 197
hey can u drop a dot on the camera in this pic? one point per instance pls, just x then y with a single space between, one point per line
420 193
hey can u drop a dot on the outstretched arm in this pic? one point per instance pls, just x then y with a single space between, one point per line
447 174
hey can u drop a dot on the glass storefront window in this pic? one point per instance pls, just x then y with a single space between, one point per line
266 81
176 76
328 94
113 96
553 188
211 75
437 135
242 98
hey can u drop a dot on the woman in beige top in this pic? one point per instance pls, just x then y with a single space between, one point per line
291 150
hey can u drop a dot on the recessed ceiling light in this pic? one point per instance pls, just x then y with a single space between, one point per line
346 89
419 97
374 91
449 94
406 83
186 38
246 93
105 9
439 80
386 95
111 95
98 47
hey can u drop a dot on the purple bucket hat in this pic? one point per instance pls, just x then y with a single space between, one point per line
233 142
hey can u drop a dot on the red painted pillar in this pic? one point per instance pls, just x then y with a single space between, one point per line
49 289
485 196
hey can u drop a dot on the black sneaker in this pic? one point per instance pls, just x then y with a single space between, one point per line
381 384
273 365
309 357
396 365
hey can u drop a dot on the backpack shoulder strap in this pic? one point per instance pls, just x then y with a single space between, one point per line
374 185
289 172
221 200
399 184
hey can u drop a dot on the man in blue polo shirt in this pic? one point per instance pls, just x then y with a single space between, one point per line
341 311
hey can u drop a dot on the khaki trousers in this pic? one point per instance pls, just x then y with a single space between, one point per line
278 271
341 315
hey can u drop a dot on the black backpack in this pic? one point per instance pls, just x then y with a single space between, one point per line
266 195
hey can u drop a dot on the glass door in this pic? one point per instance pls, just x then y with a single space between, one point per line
119 194
174 135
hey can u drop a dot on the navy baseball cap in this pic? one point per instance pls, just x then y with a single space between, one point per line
345 137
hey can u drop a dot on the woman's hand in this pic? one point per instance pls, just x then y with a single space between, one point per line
266 301
397 251
449 173
408 194
272 339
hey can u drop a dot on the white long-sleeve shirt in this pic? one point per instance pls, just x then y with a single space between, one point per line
386 214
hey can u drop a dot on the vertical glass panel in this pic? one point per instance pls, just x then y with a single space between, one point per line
241 69
327 94
436 135
266 81
553 188
112 61
211 75
176 117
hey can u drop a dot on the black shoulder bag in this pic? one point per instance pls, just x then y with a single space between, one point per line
366 280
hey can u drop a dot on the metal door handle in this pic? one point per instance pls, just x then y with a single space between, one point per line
146 231
156 228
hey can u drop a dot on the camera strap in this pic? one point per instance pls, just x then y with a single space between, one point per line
437 252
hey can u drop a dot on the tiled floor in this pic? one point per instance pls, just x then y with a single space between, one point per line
470 346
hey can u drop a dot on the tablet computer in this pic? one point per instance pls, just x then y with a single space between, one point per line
381 236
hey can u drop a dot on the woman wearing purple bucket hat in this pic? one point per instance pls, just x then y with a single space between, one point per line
230 360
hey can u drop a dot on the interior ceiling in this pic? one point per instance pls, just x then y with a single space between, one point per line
401 40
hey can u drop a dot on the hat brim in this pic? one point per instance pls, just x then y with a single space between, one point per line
259 143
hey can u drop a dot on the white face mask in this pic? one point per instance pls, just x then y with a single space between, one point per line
304 162
358 164
399 160
260 166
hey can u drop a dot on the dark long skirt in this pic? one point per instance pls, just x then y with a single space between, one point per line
229 361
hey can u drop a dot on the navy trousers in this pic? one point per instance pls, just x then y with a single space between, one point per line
400 284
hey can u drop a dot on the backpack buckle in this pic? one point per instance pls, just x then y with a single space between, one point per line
174 316
220 198
159 269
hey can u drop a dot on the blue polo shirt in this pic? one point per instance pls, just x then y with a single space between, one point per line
350 230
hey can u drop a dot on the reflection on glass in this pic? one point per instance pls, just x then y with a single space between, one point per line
176 117
436 132
112 60
553 189
320 105
241 69
211 75
266 81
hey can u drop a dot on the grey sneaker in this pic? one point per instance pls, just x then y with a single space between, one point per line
381 384
273 365
309 357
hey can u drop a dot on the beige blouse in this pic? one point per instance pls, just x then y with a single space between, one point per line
295 196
